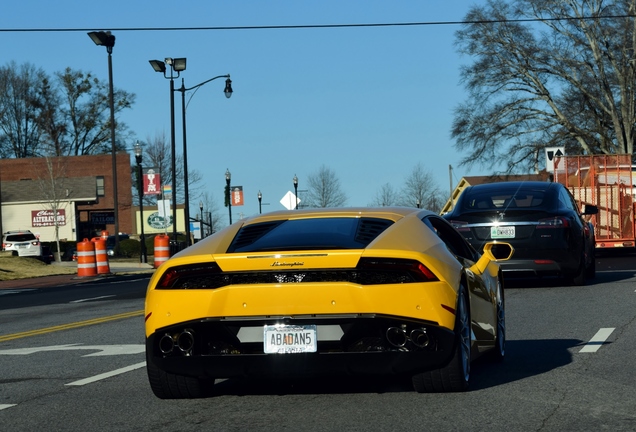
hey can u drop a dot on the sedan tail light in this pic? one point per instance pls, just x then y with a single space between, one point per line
554 222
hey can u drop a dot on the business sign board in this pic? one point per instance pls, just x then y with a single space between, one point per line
44 218
103 218
155 223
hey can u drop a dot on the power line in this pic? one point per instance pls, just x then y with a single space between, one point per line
316 26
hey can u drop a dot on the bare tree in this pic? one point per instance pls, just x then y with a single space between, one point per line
20 102
386 196
211 212
421 190
547 73
69 115
86 112
54 190
324 189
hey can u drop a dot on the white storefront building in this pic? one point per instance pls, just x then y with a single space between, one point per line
26 207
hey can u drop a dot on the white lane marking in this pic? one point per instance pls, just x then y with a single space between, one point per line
91 299
107 375
4 406
10 291
102 350
599 339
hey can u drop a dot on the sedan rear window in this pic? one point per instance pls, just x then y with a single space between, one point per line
304 234
502 200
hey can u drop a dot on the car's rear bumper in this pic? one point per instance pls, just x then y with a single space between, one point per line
29 253
537 268
351 345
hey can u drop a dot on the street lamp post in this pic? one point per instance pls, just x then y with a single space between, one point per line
228 93
105 38
296 190
201 210
228 180
176 65
260 200
143 256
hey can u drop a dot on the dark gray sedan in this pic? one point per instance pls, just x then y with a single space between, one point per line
541 220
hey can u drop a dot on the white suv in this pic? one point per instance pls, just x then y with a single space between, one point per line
22 243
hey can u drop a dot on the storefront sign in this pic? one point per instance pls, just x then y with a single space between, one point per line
103 218
44 218
158 222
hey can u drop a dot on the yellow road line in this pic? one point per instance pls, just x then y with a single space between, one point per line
70 325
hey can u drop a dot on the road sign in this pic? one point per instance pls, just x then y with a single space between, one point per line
289 201
553 158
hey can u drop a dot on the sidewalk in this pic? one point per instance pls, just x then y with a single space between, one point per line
117 268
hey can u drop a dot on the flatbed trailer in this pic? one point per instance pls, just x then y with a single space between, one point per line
606 181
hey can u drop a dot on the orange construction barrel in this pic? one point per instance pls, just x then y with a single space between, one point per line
104 235
86 259
101 258
162 249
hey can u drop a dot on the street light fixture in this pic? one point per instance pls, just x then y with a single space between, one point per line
260 199
228 93
296 190
228 180
176 65
106 39
201 210
143 256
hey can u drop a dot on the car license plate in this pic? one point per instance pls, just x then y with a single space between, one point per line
499 232
285 339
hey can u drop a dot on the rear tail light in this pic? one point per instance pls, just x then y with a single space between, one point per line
369 271
460 225
190 276
554 222
397 270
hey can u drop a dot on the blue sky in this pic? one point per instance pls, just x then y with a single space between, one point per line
369 103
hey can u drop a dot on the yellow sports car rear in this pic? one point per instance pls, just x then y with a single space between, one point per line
294 293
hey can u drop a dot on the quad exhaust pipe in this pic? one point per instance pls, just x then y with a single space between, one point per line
399 337
183 341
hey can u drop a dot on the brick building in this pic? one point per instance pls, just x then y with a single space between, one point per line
77 190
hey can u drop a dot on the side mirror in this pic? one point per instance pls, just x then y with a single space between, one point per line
494 251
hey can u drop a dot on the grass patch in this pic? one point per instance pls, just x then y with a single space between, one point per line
13 267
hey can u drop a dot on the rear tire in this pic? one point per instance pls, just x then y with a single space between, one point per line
455 376
499 351
590 271
579 277
170 386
